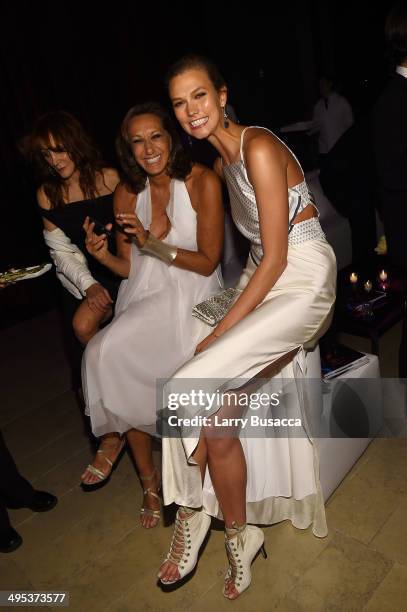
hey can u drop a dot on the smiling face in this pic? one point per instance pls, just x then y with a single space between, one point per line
150 143
196 103
58 158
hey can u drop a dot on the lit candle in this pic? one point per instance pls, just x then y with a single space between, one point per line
383 276
368 286
353 278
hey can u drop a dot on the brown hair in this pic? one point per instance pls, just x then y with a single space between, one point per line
179 164
70 136
191 61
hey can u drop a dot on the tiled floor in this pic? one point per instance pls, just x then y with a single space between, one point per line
92 545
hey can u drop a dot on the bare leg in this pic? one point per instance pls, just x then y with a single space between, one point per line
141 448
86 322
226 460
227 467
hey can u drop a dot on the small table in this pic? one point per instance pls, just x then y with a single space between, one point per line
385 317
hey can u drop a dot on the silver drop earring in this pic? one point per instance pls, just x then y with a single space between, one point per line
225 118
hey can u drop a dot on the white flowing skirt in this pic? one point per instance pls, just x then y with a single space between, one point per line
282 474
152 334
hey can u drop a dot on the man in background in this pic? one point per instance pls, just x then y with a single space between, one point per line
389 140
332 115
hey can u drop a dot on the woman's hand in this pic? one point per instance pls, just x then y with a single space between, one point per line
98 298
96 245
131 225
205 343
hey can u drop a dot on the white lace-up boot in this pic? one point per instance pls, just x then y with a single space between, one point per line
242 545
189 534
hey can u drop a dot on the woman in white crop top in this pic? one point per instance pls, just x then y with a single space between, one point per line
285 296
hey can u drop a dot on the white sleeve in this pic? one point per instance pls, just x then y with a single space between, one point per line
70 262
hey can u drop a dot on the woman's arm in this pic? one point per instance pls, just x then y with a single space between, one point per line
205 192
68 263
267 171
71 265
45 204
97 246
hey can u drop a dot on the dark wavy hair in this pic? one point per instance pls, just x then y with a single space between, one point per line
179 164
70 136
396 33
191 61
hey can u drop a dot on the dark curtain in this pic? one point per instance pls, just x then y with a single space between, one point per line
97 60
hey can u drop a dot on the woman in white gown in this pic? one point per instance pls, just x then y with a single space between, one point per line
152 334
284 299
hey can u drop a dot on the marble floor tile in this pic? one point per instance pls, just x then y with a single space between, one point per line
391 594
391 540
343 577
359 510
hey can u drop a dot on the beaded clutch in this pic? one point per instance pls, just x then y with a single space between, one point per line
215 308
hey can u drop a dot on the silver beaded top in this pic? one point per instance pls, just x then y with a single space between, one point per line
244 207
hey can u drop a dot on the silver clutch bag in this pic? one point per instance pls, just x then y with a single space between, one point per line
215 308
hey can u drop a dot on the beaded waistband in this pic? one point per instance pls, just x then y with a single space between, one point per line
310 229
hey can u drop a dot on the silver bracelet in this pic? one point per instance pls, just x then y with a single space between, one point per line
165 252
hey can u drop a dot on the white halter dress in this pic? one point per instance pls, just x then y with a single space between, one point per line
152 333
282 472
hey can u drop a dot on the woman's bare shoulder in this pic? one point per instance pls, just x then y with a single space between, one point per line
201 175
124 198
42 199
259 139
262 146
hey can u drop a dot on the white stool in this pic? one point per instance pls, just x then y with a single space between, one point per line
341 398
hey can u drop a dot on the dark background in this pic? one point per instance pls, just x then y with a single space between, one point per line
96 60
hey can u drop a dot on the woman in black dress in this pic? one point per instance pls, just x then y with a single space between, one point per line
74 185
